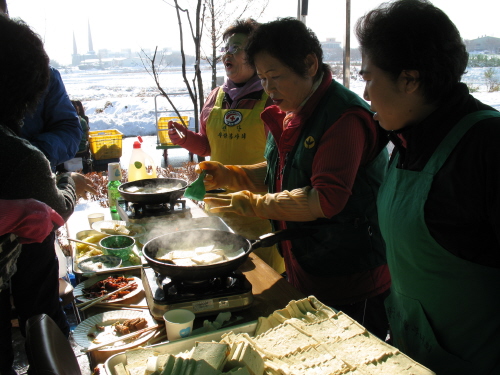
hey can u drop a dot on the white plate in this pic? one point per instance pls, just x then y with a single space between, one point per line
106 320
139 229
105 262
78 292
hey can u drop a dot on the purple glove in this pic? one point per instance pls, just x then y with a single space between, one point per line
29 219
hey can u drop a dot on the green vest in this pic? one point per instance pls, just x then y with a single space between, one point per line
351 241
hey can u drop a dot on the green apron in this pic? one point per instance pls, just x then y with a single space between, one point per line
444 311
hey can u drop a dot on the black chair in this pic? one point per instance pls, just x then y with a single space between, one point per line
49 351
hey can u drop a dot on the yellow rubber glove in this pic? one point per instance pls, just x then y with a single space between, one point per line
296 205
233 177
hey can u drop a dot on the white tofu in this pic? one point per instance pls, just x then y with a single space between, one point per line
136 368
207 258
182 254
151 365
139 355
165 363
133 189
213 353
120 369
185 262
204 249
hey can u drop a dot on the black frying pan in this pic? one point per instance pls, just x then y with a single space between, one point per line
153 183
189 239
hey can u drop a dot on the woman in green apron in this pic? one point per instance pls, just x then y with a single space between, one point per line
231 130
440 202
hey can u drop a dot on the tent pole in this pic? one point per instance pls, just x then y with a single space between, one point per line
347 44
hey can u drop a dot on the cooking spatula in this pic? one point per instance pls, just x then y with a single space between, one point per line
196 190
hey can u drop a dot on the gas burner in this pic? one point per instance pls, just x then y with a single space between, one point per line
229 292
189 289
143 212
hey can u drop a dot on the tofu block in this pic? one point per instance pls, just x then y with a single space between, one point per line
120 369
168 364
164 360
204 249
214 353
252 360
139 355
136 368
207 258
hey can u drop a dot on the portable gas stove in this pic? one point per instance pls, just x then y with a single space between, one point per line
140 213
230 292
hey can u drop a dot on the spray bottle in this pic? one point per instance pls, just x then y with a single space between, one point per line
138 169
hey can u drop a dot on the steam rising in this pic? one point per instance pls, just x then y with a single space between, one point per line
196 242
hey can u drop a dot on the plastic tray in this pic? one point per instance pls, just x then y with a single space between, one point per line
105 144
183 344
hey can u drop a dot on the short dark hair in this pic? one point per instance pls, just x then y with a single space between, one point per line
246 27
415 35
288 40
3 6
24 71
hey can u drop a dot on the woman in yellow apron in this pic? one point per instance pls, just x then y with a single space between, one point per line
231 130
438 206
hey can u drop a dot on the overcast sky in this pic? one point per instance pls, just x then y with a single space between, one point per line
144 24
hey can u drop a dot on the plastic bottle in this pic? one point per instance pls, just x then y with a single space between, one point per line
114 177
137 167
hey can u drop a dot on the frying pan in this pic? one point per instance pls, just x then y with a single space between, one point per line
153 183
190 239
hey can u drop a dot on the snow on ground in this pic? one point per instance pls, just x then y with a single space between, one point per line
125 100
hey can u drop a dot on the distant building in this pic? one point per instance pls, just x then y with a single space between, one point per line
332 50
77 59
484 44
106 58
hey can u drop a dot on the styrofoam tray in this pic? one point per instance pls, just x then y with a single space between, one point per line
183 344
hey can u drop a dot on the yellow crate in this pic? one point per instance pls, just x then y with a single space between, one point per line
163 128
105 144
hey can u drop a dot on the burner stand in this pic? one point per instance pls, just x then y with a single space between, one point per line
142 213
207 297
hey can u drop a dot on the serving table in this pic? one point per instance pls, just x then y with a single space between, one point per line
270 290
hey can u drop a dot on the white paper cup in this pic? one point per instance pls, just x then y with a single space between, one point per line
94 218
179 323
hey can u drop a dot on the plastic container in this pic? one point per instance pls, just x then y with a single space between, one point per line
105 144
114 177
139 163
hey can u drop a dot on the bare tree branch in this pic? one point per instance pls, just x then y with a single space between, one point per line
156 76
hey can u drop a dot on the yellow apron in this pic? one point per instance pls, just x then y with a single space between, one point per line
238 137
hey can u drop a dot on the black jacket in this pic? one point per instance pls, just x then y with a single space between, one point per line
462 211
